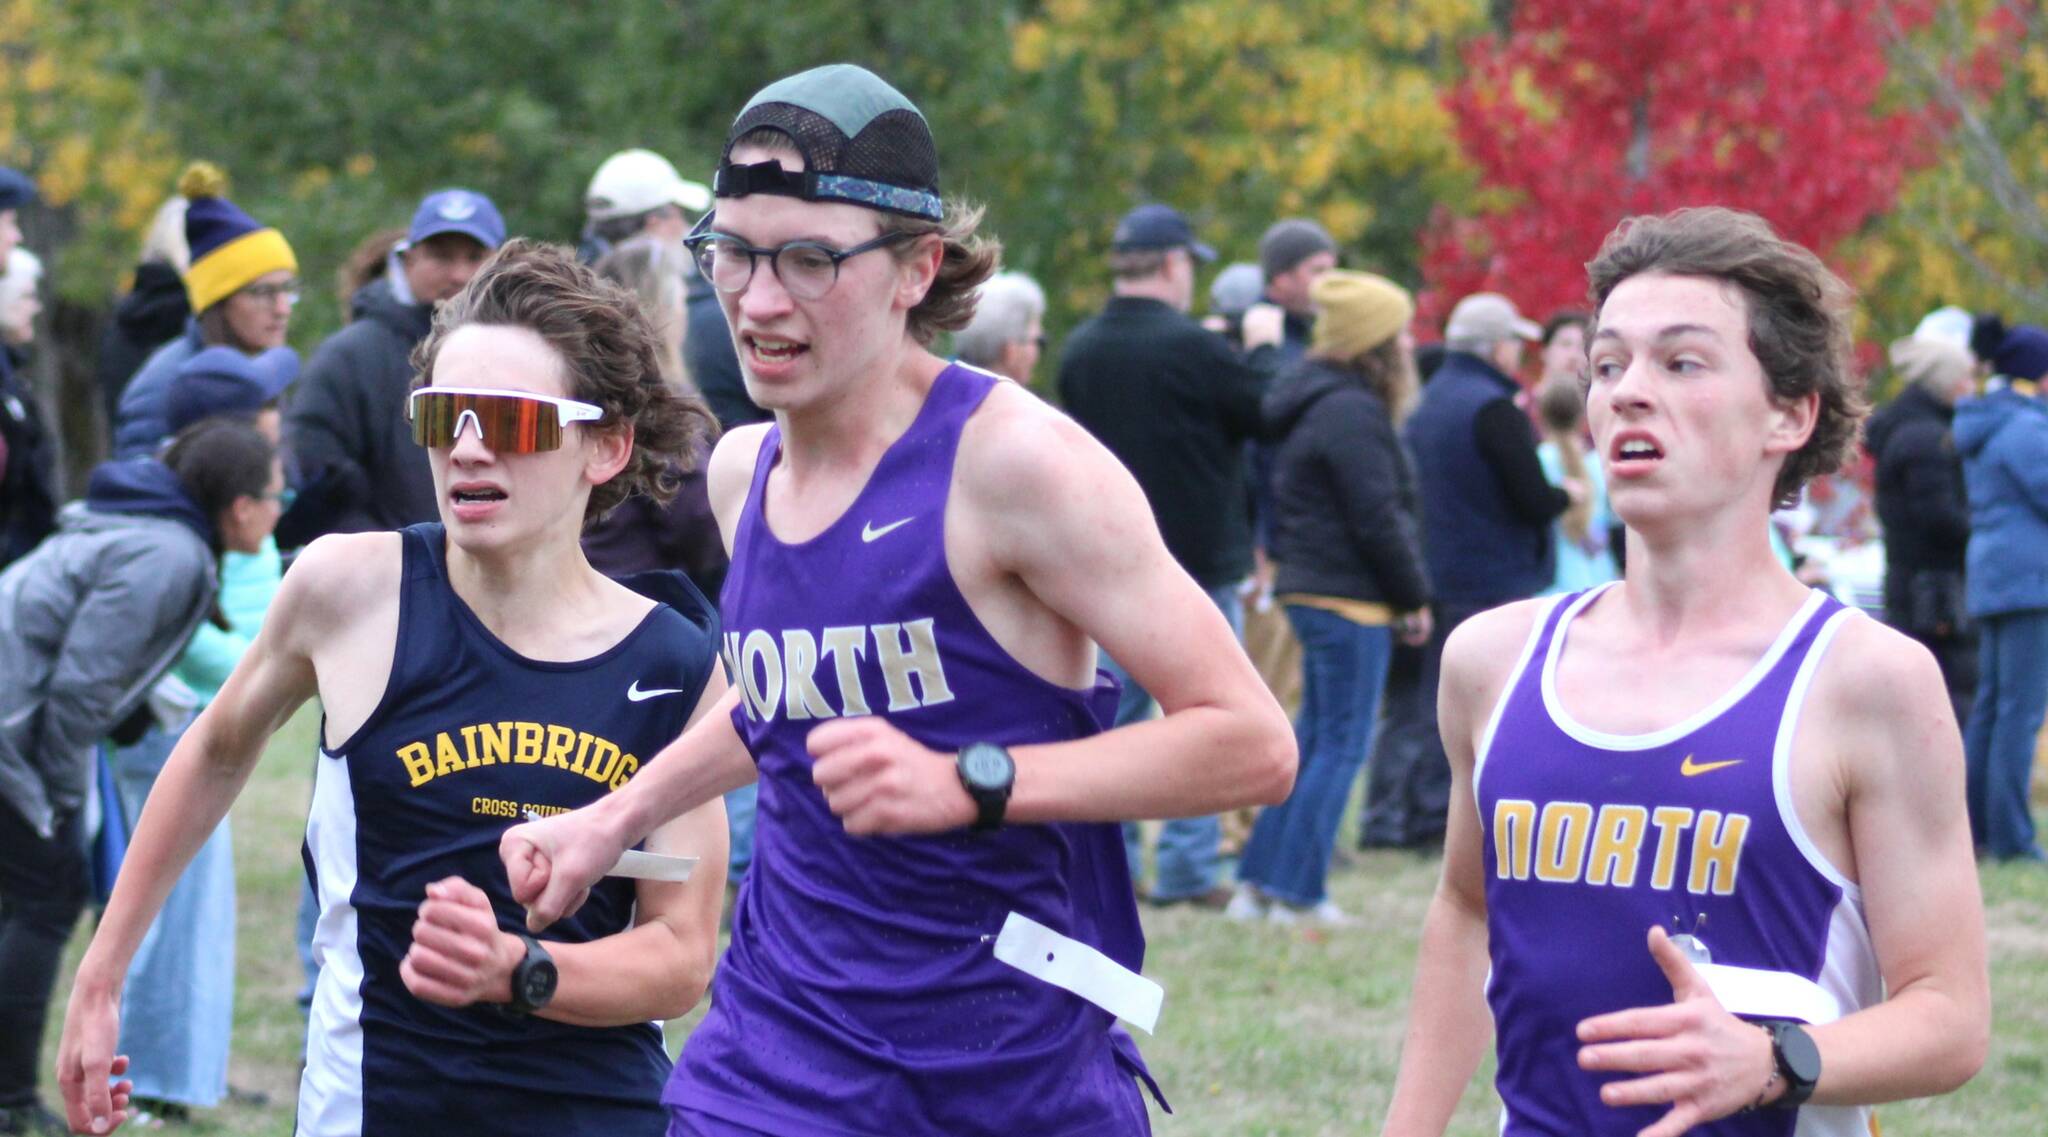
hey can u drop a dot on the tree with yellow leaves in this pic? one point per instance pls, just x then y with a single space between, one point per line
1237 113
1971 229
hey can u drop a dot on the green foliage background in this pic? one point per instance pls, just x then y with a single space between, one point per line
333 118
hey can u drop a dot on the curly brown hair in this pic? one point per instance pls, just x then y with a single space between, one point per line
611 350
1799 318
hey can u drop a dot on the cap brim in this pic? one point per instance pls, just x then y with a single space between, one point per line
473 231
693 196
280 369
1528 329
1202 252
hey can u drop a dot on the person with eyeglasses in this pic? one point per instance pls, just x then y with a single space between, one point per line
470 671
937 933
347 421
88 622
243 281
1007 334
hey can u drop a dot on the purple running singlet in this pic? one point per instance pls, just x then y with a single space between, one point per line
1591 838
860 995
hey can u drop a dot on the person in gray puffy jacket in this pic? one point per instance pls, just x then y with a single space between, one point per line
88 622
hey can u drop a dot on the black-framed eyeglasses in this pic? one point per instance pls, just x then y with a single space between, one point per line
807 269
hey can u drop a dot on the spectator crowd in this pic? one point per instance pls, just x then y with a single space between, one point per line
1347 485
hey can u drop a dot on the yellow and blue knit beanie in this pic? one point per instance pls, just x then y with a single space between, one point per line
229 247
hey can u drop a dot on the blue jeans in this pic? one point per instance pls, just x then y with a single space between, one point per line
178 1005
1343 666
1188 858
2012 695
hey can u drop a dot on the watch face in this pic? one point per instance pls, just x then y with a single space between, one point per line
988 766
1802 1057
539 984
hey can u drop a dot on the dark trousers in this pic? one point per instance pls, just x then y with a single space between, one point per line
43 887
1998 743
1408 787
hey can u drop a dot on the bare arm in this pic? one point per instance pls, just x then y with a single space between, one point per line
1053 510
657 969
552 863
199 782
1071 523
1907 824
1449 1025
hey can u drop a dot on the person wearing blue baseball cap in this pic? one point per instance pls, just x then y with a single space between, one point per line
1176 404
347 424
223 381
28 459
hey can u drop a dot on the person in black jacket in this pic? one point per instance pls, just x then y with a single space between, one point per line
1487 510
1176 405
28 456
1347 539
155 310
1923 508
347 424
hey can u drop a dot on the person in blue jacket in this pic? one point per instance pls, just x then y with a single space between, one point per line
2003 439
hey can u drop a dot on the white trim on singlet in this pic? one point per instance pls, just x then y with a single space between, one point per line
331 1088
1500 705
1781 760
1602 740
1848 969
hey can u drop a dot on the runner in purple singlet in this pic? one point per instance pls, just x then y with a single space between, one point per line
1766 785
924 562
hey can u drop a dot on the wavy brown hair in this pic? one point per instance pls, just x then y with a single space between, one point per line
1798 316
611 350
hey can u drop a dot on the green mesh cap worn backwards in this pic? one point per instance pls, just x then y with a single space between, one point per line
862 143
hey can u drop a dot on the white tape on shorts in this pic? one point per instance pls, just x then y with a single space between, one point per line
1071 965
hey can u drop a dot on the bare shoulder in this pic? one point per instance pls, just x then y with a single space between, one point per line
1880 683
1875 670
337 572
337 581
1018 451
731 467
1482 652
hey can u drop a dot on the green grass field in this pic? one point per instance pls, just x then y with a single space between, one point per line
1266 1031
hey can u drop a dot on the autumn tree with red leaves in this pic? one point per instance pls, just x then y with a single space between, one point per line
1592 110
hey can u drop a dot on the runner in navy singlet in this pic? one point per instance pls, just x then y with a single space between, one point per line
924 560
468 672
1707 757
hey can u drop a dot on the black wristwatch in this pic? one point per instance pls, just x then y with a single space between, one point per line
1798 1061
987 772
533 980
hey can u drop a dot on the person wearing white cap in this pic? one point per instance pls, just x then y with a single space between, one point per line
1487 513
638 193
1920 498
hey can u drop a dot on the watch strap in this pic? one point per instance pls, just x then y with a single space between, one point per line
1797 1088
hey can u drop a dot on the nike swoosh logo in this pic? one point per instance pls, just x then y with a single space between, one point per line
637 695
868 532
1692 769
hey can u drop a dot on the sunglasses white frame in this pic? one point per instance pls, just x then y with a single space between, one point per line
566 410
